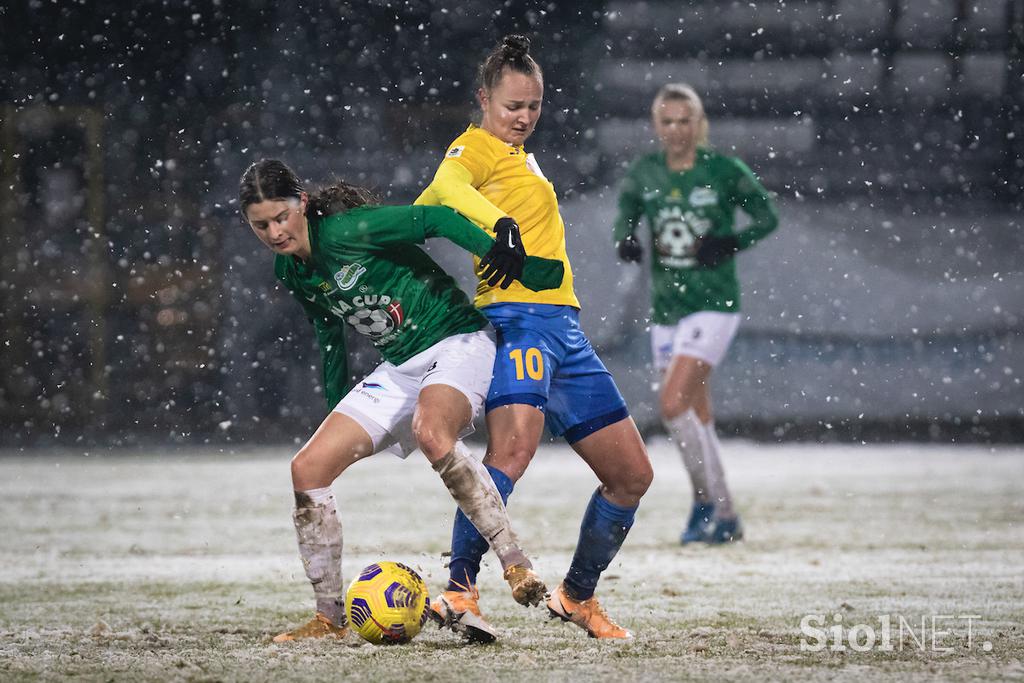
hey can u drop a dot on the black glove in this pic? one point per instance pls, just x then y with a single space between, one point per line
630 250
713 251
504 262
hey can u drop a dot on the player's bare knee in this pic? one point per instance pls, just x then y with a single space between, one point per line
435 442
629 486
302 470
512 457
673 405
641 481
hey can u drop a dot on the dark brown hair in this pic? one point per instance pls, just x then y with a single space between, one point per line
513 52
270 179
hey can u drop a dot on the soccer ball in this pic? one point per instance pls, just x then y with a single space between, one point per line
373 322
387 603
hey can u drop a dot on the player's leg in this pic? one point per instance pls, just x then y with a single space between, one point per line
617 455
587 409
445 409
685 411
441 413
337 443
514 402
515 431
699 344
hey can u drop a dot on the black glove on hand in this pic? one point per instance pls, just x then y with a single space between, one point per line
504 262
630 250
713 251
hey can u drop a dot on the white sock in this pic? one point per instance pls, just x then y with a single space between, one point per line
320 542
715 473
688 433
473 489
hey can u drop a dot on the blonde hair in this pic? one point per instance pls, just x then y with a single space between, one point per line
681 92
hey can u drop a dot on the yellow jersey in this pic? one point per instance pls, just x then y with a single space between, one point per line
496 179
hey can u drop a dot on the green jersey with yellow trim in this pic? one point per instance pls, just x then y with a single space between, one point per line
365 270
680 207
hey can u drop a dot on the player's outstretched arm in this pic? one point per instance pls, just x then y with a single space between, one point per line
452 186
502 261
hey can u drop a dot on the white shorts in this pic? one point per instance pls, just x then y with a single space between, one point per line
383 403
704 335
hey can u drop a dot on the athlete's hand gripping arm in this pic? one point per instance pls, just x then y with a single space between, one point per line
504 262
534 272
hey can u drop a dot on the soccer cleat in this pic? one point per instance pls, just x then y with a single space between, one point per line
699 527
459 611
587 614
725 531
527 588
317 627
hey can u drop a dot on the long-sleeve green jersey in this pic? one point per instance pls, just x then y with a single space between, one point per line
365 270
681 206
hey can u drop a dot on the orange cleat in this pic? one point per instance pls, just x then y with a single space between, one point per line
587 614
459 611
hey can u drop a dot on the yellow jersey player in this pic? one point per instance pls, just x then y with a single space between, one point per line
545 370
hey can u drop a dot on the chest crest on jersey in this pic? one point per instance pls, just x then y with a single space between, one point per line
703 196
347 276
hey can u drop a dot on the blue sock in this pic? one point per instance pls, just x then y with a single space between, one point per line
468 546
602 532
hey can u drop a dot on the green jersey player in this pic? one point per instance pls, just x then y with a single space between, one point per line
689 195
349 261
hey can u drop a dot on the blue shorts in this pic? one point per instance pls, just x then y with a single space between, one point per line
544 360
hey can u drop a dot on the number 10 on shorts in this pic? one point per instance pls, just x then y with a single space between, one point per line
532 364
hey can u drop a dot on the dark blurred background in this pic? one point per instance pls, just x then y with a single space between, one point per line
138 308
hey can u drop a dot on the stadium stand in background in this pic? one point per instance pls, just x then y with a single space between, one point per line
886 305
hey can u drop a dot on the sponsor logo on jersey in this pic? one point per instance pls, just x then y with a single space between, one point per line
455 152
431 370
703 196
347 276
376 316
676 235
367 389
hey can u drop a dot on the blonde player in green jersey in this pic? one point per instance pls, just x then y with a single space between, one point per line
689 195
348 261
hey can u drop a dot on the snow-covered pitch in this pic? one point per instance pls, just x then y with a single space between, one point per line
150 566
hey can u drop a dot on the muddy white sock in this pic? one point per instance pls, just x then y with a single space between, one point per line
474 491
689 434
715 473
320 541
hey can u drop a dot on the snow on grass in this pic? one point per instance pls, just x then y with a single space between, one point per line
181 567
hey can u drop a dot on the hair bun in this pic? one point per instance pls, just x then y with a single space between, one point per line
516 45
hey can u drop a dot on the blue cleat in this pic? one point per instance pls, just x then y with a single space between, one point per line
725 531
699 527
